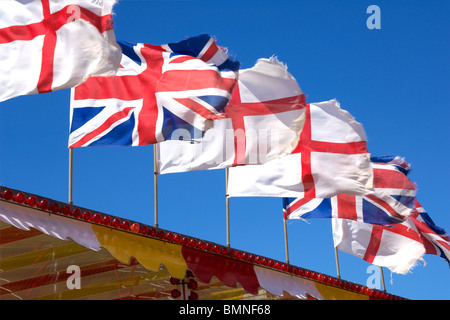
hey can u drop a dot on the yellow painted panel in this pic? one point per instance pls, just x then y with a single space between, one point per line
333 293
150 253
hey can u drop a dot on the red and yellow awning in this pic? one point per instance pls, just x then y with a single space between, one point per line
40 239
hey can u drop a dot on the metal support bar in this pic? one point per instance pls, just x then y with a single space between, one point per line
382 279
227 201
70 174
286 240
337 263
155 184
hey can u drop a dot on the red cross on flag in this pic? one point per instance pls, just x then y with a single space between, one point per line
158 91
330 158
48 44
261 123
398 247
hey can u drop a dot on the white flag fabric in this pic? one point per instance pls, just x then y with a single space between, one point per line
391 202
331 158
397 247
52 44
262 122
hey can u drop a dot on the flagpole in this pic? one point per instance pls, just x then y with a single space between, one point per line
382 279
155 184
337 263
338 271
70 174
286 240
227 201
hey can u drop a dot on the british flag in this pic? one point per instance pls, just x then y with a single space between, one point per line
435 239
391 202
157 90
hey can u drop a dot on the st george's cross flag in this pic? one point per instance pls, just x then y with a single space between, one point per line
157 91
398 247
331 158
391 202
261 122
47 45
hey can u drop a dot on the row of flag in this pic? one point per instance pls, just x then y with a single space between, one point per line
202 112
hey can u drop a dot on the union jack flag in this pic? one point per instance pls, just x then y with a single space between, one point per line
434 238
157 90
391 202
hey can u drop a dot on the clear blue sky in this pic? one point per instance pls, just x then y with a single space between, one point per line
394 80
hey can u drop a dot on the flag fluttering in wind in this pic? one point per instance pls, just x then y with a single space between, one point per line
48 45
391 202
331 158
435 239
386 227
261 122
398 247
159 93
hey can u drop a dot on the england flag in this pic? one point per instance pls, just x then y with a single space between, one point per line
398 247
46 45
391 202
261 123
330 158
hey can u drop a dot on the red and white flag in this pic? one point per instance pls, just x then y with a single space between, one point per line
331 158
397 247
53 44
391 202
262 121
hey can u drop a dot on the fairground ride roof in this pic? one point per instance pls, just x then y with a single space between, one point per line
51 250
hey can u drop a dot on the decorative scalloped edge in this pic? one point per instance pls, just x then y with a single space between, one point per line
125 225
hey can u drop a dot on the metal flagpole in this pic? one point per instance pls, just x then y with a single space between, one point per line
338 271
382 279
155 184
286 239
337 263
70 174
227 201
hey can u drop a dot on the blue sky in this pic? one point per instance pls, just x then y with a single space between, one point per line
393 80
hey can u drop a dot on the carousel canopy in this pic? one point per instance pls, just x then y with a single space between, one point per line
51 250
